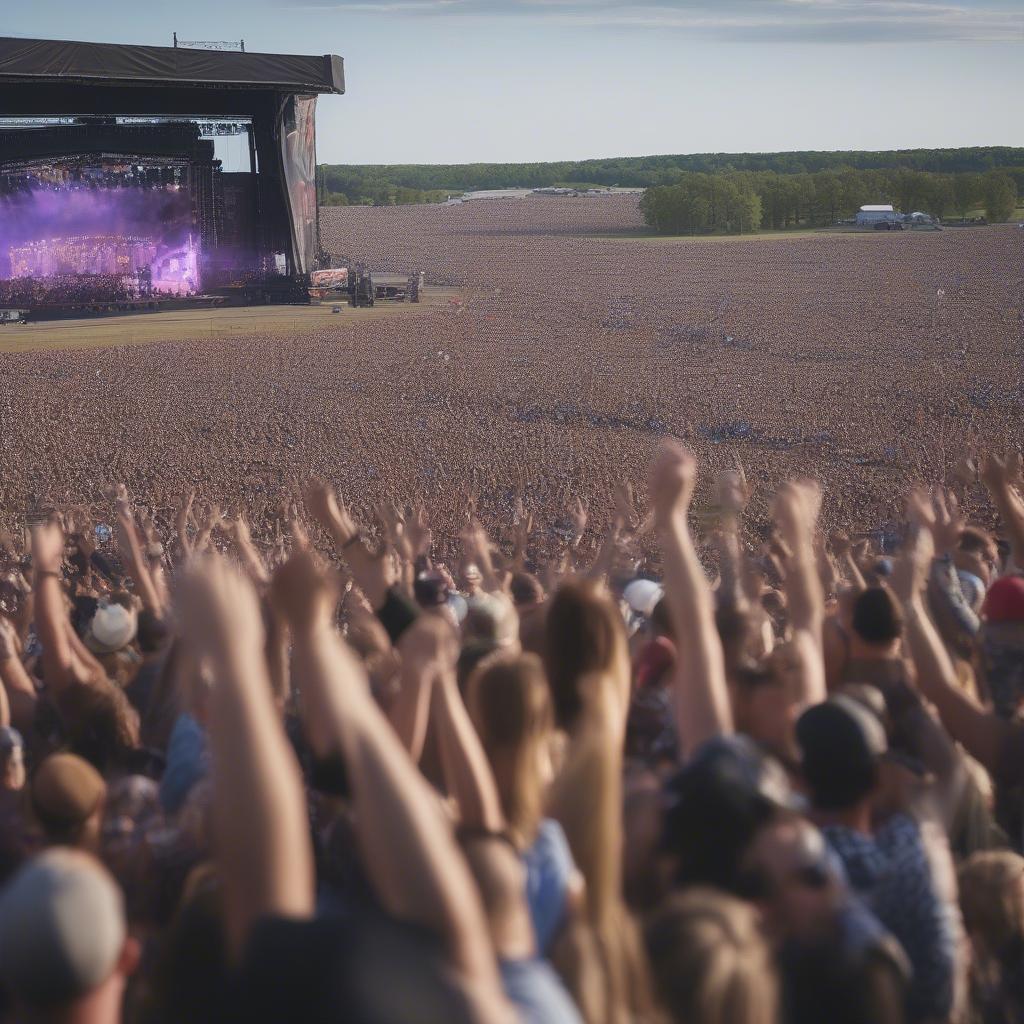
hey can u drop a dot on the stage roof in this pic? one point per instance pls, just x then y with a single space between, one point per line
58 62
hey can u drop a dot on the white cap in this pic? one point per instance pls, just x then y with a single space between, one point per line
642 596
112 627
62 928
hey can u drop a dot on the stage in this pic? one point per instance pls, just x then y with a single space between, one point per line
189 324
120 191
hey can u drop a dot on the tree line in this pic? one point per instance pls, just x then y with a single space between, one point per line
734 202
387 184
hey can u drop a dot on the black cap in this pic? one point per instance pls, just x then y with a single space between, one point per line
841 742
714 806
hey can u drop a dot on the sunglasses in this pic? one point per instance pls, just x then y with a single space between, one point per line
757 885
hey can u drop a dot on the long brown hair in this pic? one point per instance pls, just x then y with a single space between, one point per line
510 705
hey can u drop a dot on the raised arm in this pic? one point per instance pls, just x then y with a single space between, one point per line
19 693
996 472
467 772
409 711
370 571
263 847
796 515
408 849
131 551
251 560
980 731
701 698
842 548
51 618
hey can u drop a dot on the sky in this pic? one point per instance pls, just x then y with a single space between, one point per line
455 81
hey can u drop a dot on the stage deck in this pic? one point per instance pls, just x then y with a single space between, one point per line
179 325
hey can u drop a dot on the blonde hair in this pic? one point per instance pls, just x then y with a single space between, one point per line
510 705
992 898
710 963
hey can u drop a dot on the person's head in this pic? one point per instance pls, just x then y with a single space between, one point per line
642 596
430 588
585 651
709 962
472 580
12 759
64 949
763 700
991 886
66 797
977 554
510 705
526 590
877 620
151 632
841 744
99 722
714 805
787 873
492 618
111 628
1004 601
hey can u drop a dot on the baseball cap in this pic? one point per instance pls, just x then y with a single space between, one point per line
62 928
64 791
112 627
1004 601
715 804
840 741
642 596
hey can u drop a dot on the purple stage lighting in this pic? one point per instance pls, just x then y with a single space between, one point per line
78 239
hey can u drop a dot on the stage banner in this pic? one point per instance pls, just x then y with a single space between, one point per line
298 154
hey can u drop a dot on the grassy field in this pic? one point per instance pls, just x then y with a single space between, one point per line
646 236
197 324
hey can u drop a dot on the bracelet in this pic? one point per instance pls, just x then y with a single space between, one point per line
350 541
39 573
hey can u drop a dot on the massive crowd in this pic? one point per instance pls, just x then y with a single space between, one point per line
572 348
354 779
533 721
64 289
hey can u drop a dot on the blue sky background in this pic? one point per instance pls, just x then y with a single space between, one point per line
447 81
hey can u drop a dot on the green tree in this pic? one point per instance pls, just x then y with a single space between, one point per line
966 193
999 194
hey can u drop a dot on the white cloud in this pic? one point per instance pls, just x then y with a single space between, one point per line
773 21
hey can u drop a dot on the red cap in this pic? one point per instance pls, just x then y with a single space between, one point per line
1004 601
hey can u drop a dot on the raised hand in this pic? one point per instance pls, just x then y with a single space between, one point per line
217 608
303 592
910 576
578 514
47 547
323 504
939 514
418 533
625 510
732 492
671 481
795 509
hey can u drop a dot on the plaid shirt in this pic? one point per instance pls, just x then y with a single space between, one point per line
893 872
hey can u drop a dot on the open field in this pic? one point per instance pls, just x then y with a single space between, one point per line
570 356
145 328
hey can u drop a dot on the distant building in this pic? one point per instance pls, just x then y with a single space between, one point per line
875 214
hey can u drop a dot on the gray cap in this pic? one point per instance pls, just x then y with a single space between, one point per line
62 928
